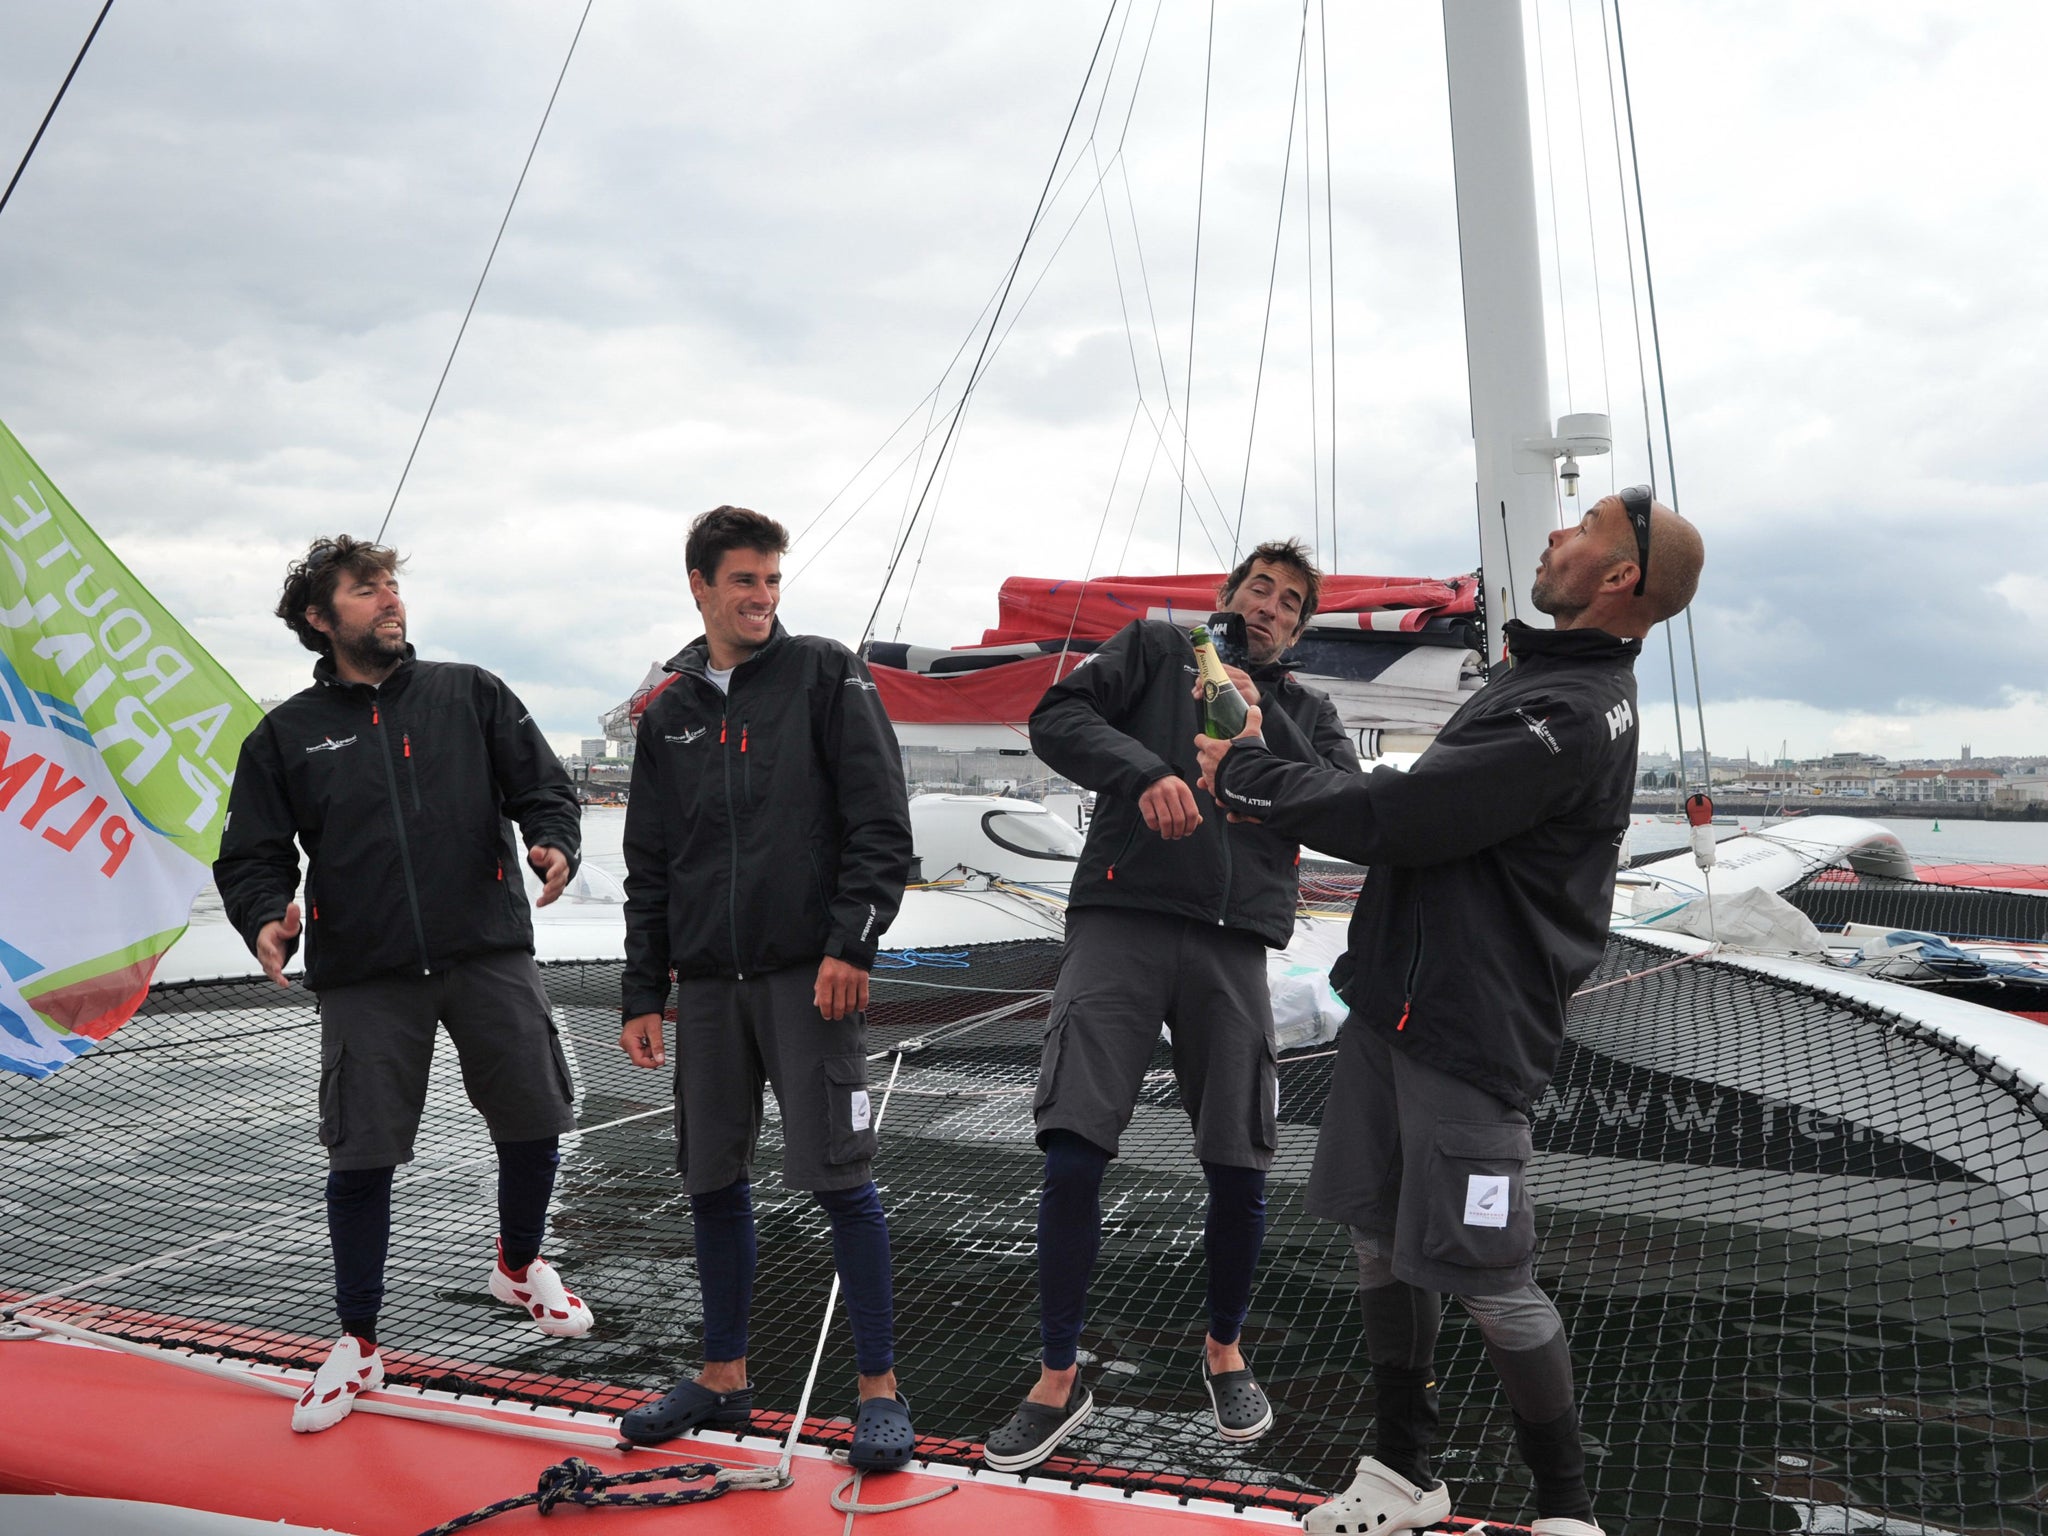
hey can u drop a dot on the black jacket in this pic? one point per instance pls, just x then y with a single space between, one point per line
1493 858
766 829
400 796
1121 720
1311 711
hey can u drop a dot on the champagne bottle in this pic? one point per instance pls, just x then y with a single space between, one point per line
1223 707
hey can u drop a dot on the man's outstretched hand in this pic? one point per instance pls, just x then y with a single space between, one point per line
552 865
1209 751
842 988
1169 808
272 944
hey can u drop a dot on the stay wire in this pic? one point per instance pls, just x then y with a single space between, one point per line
1663 393
974 374
1187 411
1642 368
29 153
477 292
1272 275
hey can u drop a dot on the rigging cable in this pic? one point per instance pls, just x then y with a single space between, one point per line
1187 394
1663 395
29 153
974 373
481 276
1642 368
1272 273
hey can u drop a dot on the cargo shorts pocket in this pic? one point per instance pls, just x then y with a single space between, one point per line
1049 1055
332 1124
849 1113
1265 1122
1480 1215
565 1080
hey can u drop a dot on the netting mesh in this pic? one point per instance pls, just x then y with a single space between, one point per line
1833 897
1798 1246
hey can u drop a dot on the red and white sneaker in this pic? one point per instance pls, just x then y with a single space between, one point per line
345 1374
555 1309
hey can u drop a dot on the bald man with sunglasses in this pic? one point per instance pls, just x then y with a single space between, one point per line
1492 880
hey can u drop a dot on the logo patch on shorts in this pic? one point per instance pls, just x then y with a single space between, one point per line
861 1113
1486 1200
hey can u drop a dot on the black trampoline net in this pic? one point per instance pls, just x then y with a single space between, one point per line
1833 897
1797 1243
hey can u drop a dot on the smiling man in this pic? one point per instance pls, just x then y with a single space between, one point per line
1492 876
767 846
400 779
1171 914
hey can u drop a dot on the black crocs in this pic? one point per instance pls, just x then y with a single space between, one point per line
1035 1430
882 1436
1238 1404
688 1405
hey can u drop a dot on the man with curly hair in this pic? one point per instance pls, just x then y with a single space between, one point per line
400 779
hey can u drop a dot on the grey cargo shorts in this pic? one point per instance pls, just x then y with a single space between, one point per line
1428 1163
732 1036
377 1045
1124 972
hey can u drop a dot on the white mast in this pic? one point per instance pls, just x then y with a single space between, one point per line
1506 361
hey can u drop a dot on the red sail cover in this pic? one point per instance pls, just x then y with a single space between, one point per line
1035 608
1003 695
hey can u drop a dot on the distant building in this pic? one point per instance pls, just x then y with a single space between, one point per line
594 747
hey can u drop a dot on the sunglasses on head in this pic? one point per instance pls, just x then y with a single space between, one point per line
1635 501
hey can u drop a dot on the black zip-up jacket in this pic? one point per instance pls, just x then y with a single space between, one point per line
768 827
1310 709
1492 859
1125 718
400 796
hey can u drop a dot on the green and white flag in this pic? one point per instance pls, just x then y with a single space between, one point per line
118 739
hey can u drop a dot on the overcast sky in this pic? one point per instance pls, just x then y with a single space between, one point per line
754 238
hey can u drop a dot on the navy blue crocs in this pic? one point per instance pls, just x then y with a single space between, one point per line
882 1436
687 1406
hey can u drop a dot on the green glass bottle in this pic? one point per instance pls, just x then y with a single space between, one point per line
1223 707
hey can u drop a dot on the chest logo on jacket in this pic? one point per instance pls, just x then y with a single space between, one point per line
859 682
331 745
688 736
1620 718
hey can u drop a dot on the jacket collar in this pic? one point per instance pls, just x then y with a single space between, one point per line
694 659
1528 643
325 675
1276 674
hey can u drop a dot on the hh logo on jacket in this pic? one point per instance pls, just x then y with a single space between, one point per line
1620 718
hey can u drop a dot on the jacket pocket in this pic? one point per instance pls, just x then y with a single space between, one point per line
333 1122
849 1113
1479 1213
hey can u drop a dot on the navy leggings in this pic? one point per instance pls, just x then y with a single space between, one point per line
1070 1237
726 1253
359 1224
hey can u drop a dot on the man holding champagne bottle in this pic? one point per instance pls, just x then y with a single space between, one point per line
1171 913
1492 878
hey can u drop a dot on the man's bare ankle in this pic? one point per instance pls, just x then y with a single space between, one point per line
723 1375
1054 1387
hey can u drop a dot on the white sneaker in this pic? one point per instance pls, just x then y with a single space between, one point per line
345 1373
555 1309
1379 1502
1564 1525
